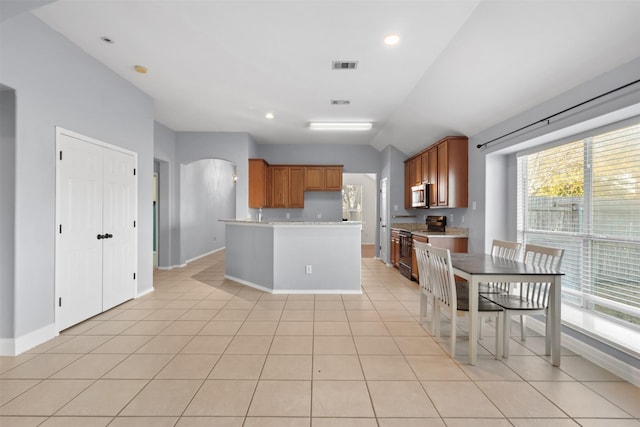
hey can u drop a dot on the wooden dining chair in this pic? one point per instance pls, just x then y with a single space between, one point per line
427 294
434 267
532 298
502 249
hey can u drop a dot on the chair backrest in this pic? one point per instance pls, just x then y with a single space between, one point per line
423 267
440 275
540 256
543 256
505 249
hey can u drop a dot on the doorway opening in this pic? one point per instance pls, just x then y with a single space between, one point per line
359 200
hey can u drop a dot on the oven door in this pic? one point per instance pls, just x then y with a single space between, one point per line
406 247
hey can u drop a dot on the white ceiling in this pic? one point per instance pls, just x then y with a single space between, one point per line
460 67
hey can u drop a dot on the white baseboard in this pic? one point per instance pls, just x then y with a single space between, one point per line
204 255
16 346
171 267
605 361
295 291
148 291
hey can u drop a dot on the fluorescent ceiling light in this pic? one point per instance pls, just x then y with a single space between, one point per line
340 125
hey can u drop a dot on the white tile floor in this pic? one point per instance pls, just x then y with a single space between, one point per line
202 351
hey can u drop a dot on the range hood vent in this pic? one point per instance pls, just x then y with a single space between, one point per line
344 65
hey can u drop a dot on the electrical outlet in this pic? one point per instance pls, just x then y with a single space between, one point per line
308 269
288 215
319 216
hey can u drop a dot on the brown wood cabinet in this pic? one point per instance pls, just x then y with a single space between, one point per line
323 178
333 178
258 183
296 187
283 186
279 187
433 176
395 248
444 165
424 160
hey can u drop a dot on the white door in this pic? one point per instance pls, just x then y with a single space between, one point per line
118 213
384 236
79 251
96 236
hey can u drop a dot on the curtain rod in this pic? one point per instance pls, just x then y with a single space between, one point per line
546 119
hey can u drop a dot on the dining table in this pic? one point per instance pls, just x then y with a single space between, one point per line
478 268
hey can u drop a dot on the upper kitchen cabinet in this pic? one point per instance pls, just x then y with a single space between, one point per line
296 187
258 183
444 165
323 178
412 176
279 186
453 172
283 186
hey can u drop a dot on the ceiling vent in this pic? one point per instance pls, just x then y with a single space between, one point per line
344 65
340 102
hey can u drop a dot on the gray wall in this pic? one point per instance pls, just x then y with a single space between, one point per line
168 188
207 195
57 84
7 207
498 160
232 147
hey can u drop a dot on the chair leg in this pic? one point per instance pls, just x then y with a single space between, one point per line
499 335
453 335
523 327
547 335
506 335
435 320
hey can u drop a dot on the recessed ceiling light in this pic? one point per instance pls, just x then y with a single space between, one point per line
340 125
140 69
269 115
392 39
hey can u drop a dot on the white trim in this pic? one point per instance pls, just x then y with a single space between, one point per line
295 291
202 256
247 283
141 294
171 267
626 372
16 346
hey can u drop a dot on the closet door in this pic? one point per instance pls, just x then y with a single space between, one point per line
79 251
96 238
118 213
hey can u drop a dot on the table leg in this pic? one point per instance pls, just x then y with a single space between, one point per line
555 303
473 319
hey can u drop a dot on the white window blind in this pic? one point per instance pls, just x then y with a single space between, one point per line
584 197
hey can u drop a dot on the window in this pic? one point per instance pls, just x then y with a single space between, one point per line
352 202
584 196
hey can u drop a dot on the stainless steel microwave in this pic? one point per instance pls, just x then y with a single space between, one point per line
420 196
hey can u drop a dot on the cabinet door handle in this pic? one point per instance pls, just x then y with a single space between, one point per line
108 236
100 237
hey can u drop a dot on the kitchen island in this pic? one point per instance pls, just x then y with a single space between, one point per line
290 257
